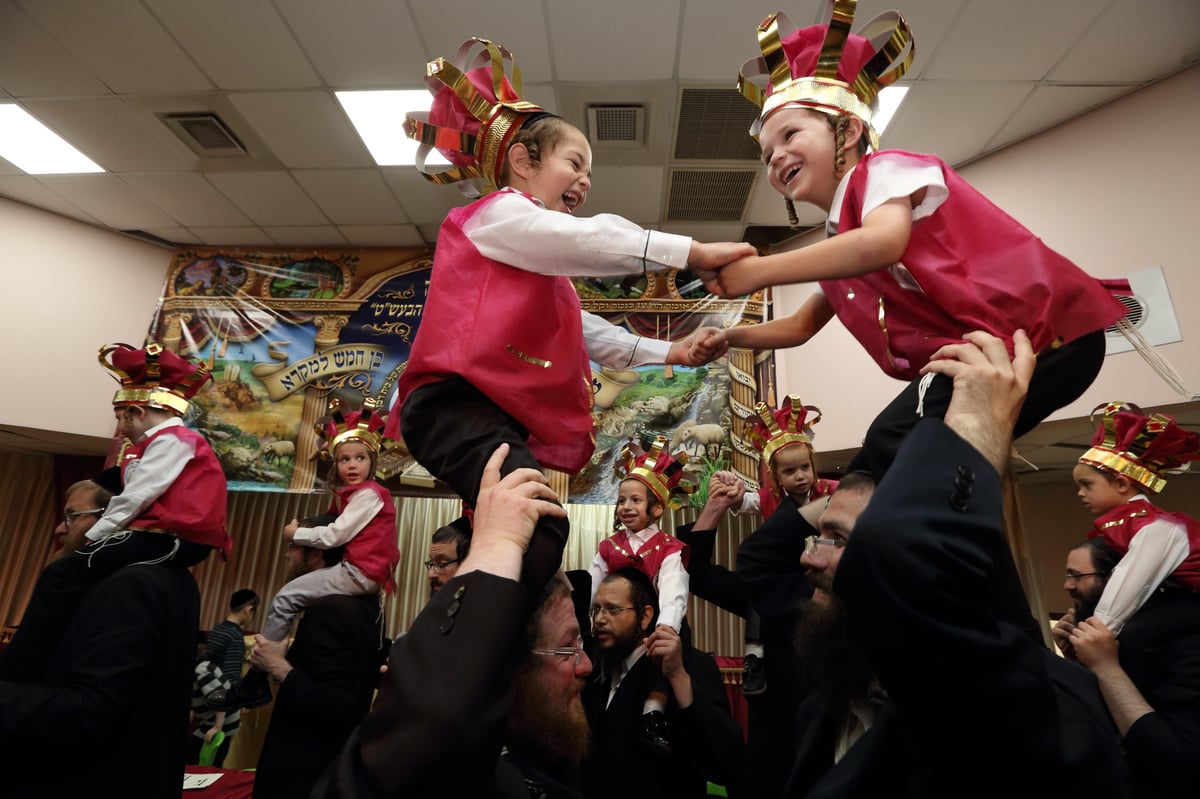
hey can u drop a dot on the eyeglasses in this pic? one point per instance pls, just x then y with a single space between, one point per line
1074 575
438 567
597 611
575 651
812 542
70 516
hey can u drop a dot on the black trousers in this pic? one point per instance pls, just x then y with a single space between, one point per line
452 428
61 587
1060 377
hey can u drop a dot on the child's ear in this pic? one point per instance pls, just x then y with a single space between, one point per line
657 511
855 130
518 160
1124 485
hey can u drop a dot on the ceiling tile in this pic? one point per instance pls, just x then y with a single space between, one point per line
269 198
634 192
384 235
642 51
357 196
175 235
33 64
991 41
1104 52
27 189
303 129
359 44
121 42
110 200
240 45
1045 108
953 120
111 133
423 202
516 24
233 237
189 198
315 236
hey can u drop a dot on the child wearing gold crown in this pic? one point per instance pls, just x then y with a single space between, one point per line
362 518
1129 453
651 482
920 257
502 352
784 440
170 509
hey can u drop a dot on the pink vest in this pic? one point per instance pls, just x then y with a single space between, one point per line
192 507
517 336
977 269
373 550
618 553
1122 523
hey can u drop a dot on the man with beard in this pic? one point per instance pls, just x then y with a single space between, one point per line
1151 682
450 545
966 701
706 742
326 681
481 695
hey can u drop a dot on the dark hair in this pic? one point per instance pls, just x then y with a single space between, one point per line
540 135
241 598
1104 557
856 481
333 556
641 591
458 532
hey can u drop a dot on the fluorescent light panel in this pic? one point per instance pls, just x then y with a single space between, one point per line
34 148
889 100
378 116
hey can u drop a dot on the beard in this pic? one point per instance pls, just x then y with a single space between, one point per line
544 730
1085 606
829 655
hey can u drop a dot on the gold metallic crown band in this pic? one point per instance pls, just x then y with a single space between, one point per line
1117 463
151 396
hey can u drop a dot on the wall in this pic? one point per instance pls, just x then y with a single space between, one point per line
1114 190
72 288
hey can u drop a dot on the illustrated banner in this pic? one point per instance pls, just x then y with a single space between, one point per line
285 332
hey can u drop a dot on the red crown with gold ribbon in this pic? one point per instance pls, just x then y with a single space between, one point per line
826 67
152 376
772 431
365 426
477 108
1141 447
657 470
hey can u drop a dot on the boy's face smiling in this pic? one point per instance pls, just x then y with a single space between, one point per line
562 180
798 152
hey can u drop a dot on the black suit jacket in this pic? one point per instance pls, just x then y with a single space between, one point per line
110 717
1160 651
437 726
980 707
335 659
706 742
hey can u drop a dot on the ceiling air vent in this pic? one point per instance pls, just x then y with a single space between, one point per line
205 134
1148 309
1135 313
714 125
709 195
617 125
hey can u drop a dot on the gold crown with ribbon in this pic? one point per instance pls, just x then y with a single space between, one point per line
774 430
1140 447
153 376
477 108
826 67
655 468
365 426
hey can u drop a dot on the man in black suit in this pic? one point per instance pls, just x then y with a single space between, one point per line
1151 681
481 696
966 702
706 742
327 678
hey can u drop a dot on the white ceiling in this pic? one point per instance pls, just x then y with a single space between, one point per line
98 72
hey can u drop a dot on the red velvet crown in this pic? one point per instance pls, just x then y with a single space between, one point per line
476 110
1140 447
657 470
153 376
825 67
365 426
772 431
